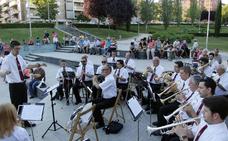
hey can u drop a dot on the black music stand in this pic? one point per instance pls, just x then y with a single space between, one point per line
54 122
136 111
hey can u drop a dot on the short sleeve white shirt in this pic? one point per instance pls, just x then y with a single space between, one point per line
10 64
224 82
130 63
108 87
88 70
123 73
60 71
159 70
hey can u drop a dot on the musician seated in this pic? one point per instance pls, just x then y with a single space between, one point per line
84 75
112 60
65 81
212 127
37 75
109 93
222 82
213 62
121 75
205 69
129 63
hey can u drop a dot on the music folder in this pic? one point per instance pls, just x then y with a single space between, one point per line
31 112
135 108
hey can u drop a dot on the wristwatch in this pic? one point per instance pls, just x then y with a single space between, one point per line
183 137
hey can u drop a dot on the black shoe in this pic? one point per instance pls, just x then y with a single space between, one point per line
55 97
67 103
27 124
31 97
157 133
155 123
99 126
61 98
76 103
147 108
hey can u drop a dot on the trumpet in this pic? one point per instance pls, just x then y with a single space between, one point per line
168 88
150 130
176 111
164 100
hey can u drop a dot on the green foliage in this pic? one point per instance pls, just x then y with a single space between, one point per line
218 18
172 36
177 9
43 6
82 17
146 10
225 14
22 25
166 12
193 11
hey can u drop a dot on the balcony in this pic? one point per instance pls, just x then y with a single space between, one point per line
78 8
81 1
13 3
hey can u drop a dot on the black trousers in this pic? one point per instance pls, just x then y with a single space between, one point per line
18 93
166 110
77 86
67 86
102 104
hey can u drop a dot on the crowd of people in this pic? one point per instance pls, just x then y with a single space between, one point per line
197 90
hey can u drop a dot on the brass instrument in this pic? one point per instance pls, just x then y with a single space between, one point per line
176 111
164 100
167 89
153 129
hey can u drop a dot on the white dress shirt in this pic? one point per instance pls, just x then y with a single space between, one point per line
214 132
195 101
60 72
10 64
130 63
110 60
208 71
108 87
214 64
123 73
19 134
99 69
88 70
159 70
223 80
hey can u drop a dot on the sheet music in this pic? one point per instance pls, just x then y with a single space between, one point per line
86 117
134 106
32 112
51 88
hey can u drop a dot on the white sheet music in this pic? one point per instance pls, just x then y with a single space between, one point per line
32 112
134 106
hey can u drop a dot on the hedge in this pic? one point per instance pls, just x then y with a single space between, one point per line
22 25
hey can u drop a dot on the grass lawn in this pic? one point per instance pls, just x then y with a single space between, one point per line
221 43
21 34
104 33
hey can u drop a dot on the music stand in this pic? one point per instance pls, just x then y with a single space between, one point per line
54 122
136 111
31 112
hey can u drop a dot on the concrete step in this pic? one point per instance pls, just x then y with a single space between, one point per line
62 50
32 56
30 59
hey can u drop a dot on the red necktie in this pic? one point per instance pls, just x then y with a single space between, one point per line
200 132
83 69
20 70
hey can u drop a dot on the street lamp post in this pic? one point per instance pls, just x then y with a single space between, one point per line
29 16
208 23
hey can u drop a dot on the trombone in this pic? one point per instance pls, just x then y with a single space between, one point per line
164 100
150 129
167 89
176 111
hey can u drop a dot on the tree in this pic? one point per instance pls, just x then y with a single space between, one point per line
120 11
218 15
193 11
225 14
82 17
43 6
166 12
146 11
177 11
